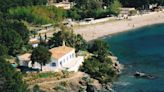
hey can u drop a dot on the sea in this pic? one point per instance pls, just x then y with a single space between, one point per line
139 50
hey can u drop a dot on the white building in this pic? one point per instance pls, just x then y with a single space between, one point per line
25 60
34 42
63 58
65 4
125 12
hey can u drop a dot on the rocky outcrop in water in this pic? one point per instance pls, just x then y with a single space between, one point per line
143 75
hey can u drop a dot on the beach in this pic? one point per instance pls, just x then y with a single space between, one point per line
95 31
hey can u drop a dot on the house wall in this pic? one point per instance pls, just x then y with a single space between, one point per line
56 65
67 58
23 63
79 60
34 45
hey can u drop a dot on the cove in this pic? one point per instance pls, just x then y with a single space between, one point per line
139 50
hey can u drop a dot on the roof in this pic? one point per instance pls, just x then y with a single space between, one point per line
24 57
127 9
46 25
34 41
59 52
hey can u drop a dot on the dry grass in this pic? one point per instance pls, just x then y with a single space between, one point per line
57 83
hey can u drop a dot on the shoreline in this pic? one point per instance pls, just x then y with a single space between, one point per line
102 30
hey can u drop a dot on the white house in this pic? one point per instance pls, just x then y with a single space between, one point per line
63 58
34 42
125 12
65 4
25 60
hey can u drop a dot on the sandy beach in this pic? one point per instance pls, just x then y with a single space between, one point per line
96 31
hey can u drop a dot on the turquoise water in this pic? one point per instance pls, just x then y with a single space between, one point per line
140 50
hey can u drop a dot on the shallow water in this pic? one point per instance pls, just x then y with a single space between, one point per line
140 50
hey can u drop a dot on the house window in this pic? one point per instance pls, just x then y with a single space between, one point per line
53 64
67 58
63 60
70 56
61 63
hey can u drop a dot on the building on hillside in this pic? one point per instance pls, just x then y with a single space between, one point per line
34 42
24 59
47 27
63 58
125 12
65 4
56 1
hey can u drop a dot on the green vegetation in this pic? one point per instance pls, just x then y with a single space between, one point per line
100 49
61 87
141 4
114 7
38 14
12 42
7 4
104 72
42 75
99 66
94 9
41 55
36 88
19 33
11 80
70 39
21 29
33 77
14 36
3 50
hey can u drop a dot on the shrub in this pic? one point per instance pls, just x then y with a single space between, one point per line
38 14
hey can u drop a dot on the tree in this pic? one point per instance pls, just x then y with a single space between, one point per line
12 40
36 88
140 3
88 4
107 2
41 55
70 39
3 50
21 29
10 79
114 8
104 72
100 49
74 14
7 4
38 14
39 2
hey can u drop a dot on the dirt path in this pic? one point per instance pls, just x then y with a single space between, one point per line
75 76
50 83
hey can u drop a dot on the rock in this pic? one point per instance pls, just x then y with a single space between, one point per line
138 74
91 88
107 88
143 75
82 82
